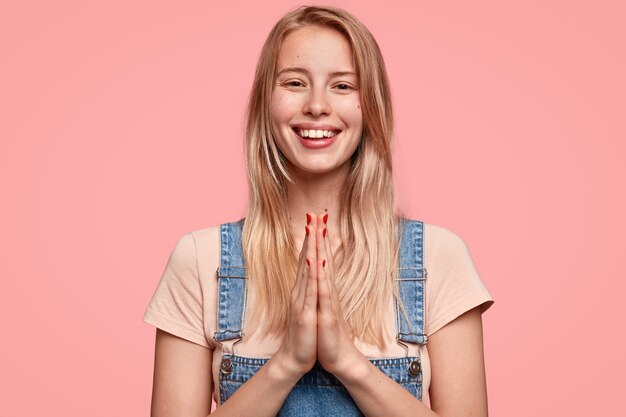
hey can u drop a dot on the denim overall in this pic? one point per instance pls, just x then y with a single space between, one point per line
318 392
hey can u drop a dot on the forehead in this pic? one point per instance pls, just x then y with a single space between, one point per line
316 46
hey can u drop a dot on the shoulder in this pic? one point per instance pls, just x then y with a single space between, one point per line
442 242
190 250
439 240
454 285
205 244
207 239
446 253
204 238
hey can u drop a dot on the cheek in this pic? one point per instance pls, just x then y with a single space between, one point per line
281 114
275 109
352 114
282 108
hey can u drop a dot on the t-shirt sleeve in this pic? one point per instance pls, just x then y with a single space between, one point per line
177 304
453 285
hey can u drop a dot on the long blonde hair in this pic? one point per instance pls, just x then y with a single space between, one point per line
366 265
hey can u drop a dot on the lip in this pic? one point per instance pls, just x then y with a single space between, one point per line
315 126
315 143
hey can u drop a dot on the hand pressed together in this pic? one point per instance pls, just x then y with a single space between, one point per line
316 328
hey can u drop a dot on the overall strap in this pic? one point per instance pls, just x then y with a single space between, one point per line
411 279
232 284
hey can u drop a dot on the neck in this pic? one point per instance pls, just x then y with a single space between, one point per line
318 194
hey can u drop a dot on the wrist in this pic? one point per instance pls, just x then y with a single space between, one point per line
353 368
282 370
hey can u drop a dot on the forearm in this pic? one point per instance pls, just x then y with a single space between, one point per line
376 394
263 394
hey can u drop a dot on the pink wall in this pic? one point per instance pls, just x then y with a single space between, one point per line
120 130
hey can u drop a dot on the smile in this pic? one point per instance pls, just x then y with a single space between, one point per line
316 138
315 133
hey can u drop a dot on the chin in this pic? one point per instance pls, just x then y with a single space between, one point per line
316 169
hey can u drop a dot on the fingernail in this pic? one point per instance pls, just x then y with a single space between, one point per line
308 218
324 263
324 232
325 218
306 229
308 262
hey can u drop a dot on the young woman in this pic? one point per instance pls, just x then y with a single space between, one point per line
324 299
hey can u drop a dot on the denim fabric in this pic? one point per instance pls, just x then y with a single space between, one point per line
411 281
232 284
319 393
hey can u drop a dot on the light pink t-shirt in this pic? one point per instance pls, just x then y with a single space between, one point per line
184 303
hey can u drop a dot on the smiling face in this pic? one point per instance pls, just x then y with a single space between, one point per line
315 105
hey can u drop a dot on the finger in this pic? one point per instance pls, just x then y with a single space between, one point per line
330 265
310 278
311 251
324 250
310 298
330 270
321 233
324 297
302 285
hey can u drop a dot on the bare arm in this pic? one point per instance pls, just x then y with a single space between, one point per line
456 352
182 377
182 372
458 385
183 383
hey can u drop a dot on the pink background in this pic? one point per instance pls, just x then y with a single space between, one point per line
121 130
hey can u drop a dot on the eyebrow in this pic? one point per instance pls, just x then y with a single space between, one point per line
305 71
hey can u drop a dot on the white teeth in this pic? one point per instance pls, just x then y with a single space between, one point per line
312 133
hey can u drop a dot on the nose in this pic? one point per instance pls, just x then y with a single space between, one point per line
317 103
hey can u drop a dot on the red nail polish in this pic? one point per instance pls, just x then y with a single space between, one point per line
308 218
324 232
307 262
306 229
325 218
324 263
